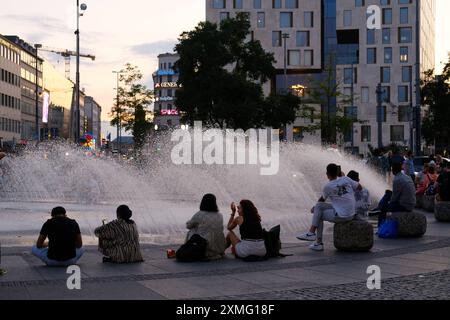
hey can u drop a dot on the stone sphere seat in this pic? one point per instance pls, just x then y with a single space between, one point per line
442 211
353 236
410 224
428 203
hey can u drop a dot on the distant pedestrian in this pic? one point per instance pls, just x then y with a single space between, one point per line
408 166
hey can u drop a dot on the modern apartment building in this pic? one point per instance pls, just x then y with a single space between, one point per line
165 85
318 35
92 114
10 93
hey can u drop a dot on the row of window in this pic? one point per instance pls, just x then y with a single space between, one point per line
286 19
9 77
166 93
9 54
257 4
302 38
404 35
387 55
10 102
403 94
28 107
9 125
166 65
30 60
397 133
385 75
159 107
386 17
30 76
404 113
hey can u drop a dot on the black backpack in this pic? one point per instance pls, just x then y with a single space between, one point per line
193 250
273 242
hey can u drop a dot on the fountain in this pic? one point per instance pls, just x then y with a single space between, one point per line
163 196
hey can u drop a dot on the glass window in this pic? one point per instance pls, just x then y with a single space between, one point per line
397 133
348 75
366 134
219 4
404 15
224 16
371 55
403 114
370 36
347 18
309 57
261 22
387 16
385 2
404 56
276 4
406 74
302 38
387 55
257 4
385 75
404 1
365 95
276 38
386 35
286 20
405 35
359 3
402 93
294 57
237 4
308 17
291 4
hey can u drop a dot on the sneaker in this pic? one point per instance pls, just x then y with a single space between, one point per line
316 246
309 236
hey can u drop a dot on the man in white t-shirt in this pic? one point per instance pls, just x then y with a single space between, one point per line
341 192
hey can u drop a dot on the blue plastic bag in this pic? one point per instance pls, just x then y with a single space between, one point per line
388 229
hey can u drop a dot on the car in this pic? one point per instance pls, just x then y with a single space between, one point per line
419 162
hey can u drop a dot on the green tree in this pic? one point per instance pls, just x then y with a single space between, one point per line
221 72
435 93
134 103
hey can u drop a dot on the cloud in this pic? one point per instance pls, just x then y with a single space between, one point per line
154 48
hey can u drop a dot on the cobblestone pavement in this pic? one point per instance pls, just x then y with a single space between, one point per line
429 286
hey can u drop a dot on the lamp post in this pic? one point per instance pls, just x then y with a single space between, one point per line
380 115
119 122
285 36
352 102
37 46
81 7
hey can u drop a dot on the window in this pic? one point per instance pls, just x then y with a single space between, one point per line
308 19
261 20
276 38
404 54
387 55
219 4
366 134
387 16
291 4
370 36
371 55
365 95
385 2
286 20
257 4
348 75
309 57
403 94
347 18
359 3
397 133
406 74
302 38
237 4
276 4
385 75
403 114
224 16
405 35
386 35
404 1
294 57
404 15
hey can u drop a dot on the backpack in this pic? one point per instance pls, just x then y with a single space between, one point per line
273 243
193 250
430 191
388 229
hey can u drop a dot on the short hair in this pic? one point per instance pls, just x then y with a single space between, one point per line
209 203
332 170
353 175
58 211
397 167
123 212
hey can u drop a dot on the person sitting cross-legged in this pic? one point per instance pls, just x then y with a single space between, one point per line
64 247
341 192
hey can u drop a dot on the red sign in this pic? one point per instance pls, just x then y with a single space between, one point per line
169 112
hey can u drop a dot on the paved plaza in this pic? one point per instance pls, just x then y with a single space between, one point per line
410 269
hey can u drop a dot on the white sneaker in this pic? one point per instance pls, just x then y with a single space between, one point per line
316 246
308 236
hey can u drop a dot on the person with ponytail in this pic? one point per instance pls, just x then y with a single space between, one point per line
118 240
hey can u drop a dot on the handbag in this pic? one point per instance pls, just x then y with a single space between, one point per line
388 229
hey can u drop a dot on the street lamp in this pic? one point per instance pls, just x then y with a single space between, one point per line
37 46
119 122
285 36
380 117
83 7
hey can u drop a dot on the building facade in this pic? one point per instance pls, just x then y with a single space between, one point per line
92 119
336 35
165 86
10 93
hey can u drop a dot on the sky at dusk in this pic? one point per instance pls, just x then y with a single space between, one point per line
117 32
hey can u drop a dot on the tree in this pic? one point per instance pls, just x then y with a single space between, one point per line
435 93
221 72
134 102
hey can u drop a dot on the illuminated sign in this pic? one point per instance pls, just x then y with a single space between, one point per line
164 99
45 106
165 72
166 85
169 112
